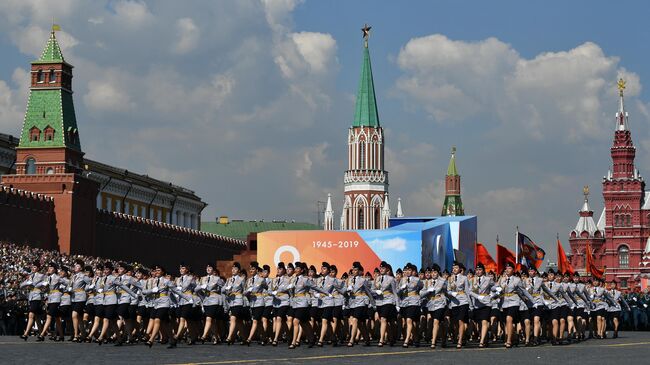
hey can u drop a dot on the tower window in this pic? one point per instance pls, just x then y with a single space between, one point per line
377 218
40 76
52 76
30 166
34 134
49 171
49 133
362 154
623 257
360 216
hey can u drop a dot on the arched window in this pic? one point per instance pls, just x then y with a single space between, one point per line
360 217
377 218
629 220
34 134
40 76
623 257
49 171
362 154
30 166
52 76
49 133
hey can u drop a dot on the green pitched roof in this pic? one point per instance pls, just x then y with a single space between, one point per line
451 169
241 229
365 113
54 109
51 52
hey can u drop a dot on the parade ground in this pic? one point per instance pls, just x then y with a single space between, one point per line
629 348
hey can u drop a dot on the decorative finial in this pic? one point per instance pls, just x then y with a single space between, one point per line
585 191
366 34
453 150
621 86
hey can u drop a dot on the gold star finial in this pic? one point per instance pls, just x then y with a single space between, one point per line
585 191
366 33
621 86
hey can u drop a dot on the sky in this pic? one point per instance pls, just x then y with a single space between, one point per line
248 102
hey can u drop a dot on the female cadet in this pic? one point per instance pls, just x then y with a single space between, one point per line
525 304
34 283
97 292
89 307
458 287
434 291
328 284
566 286
185 284
410 306
65 308
386 301
255 288
267 315
79 282
233 290
582 303
557 308
359 298
300 304
52 283
600 299
210 289
280 295
539 292
614 310
512 292
480 293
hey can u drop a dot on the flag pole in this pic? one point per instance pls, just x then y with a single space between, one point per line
517 245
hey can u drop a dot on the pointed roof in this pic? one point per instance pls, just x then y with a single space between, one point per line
586 220
621 114
451 169
601 221
329 204
399 213
52 52
365 111
386 205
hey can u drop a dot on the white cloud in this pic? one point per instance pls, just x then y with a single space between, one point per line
109 92
393 244
32 39
188 35
317 49
132 13
554 93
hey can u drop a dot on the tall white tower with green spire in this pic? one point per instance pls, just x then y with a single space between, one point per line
365 180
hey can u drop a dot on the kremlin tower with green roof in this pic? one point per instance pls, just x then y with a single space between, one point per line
365 180
453 205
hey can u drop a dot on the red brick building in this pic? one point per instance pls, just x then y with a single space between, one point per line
620 241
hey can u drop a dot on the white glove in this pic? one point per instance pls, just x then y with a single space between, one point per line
430 290
291 286
228 287
204 286
645 306
29 282
69 288
91 287
317 295
154 290
275 292
350 288
100 290
330 296
378 292
403 287
179 288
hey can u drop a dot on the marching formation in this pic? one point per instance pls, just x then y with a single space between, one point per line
299 304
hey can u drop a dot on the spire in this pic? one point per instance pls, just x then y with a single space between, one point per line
52 51
451 169
585 206
385 214
621 114
399 214
329 214
453 204
365 113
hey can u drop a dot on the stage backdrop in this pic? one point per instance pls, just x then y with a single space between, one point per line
341 248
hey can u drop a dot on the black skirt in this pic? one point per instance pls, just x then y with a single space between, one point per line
411 312
388 311
482 314
460 313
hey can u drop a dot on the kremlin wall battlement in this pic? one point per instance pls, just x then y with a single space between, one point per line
27 218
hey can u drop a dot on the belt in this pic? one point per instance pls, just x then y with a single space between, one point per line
436 296
509 294
161 295
413 295
537 295
187 292
109 293
596 301
121 292
79 290
300 295
387 293
258 294
360 295
235 293
53 291
214 294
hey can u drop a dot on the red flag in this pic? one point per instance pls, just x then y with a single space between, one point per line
483 257
562 262
529 252
590 265
504 256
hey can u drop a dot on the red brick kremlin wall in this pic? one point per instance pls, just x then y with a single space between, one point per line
27 218
129 238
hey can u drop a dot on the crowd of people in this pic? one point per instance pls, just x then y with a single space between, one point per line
50 295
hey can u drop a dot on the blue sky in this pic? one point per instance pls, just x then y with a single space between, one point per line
248 102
